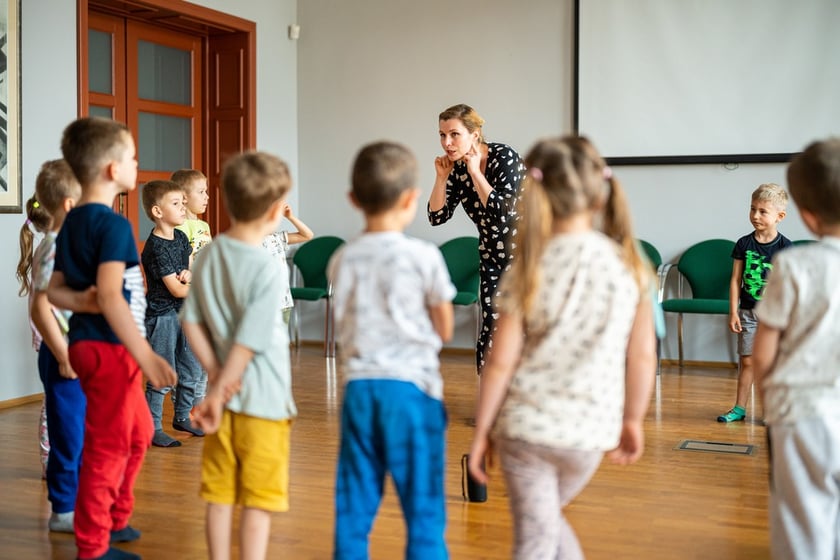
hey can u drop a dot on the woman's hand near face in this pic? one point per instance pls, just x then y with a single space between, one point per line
443 167
473 161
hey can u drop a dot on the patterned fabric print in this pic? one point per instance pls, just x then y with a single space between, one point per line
495 222
568 390
277 245
43 439
383 285
198 232
802 300
163 257
756 257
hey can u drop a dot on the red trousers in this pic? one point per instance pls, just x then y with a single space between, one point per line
118 431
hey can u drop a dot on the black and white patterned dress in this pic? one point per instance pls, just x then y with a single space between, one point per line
496 223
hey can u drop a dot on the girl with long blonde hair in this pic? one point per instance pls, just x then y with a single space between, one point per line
573 363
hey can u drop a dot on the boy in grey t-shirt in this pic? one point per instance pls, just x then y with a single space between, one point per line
392 301
233 322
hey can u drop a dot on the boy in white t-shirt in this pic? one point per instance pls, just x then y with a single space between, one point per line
797 366
392 301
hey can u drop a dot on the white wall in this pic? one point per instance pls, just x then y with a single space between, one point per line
370 69
48 71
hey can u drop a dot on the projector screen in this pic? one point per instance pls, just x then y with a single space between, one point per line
691 81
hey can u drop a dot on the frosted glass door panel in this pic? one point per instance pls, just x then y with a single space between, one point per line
164 73
165 142
100 78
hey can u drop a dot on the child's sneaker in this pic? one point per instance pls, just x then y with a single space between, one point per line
737 414
61 522
162 439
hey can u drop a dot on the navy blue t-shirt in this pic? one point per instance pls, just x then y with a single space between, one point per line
162 257
93 234
756 257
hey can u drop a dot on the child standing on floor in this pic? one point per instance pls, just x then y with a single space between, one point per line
58 191
750 268
37 223
393 311
277 243
797 367
108 350
572 367
194 184
166 261
248 410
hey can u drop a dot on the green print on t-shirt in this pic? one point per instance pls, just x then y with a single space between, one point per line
755 266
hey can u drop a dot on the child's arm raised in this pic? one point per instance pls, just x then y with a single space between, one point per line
303 232
109 295
495 379
638 384
42 315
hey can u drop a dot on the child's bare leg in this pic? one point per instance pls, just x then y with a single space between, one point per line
742 392
745 382
219 523
254 527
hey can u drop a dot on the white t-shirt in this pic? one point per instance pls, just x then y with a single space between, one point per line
383 284
277 244
802 300
568 390
235 294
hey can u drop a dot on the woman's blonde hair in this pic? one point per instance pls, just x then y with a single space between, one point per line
468 116
567 175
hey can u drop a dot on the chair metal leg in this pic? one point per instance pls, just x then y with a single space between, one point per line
329 332
295 319
680 337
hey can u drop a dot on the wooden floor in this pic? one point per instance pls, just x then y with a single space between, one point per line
673 504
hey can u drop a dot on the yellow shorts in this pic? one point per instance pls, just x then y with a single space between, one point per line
247 463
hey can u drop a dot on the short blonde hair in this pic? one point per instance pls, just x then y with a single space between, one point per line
772 193
185 177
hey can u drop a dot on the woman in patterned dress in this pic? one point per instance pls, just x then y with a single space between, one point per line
484 178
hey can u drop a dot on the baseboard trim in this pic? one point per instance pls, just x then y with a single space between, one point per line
699 363
20 401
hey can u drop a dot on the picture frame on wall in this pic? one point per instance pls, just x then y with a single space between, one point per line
10 160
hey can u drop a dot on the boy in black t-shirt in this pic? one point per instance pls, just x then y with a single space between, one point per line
166 262
750 267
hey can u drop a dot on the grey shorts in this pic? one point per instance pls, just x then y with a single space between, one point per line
747 335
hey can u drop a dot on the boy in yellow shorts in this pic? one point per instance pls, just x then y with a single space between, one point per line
244 347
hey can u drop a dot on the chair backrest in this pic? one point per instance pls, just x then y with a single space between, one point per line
312 258
652 253
462 261
708 268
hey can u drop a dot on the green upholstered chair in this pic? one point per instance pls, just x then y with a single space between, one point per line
707 267
311 261
462 260
652 253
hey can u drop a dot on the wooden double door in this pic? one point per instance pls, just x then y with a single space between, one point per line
184 90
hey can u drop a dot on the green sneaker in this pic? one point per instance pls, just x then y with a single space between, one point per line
735 415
